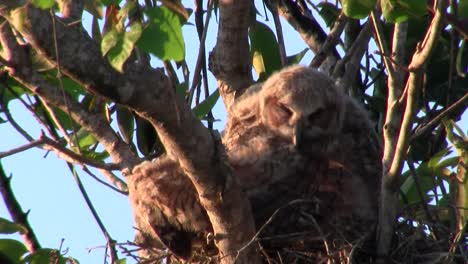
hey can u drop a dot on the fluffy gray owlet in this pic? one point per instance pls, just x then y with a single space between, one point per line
297 137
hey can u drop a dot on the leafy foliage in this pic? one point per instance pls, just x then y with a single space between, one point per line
264 50
162 36
434 180
356 8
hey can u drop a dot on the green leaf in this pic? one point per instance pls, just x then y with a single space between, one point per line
204 107
107 2
110 40
14 90
45 255
119 45
11 250
462 58
463 9
122 261
119 54
264 50
400 10
295 59
429 174
93 155
162 36
125 121
7 227
85 139
329 12
146 136
358 8
43 4
125 11
62 117
94 8
182 89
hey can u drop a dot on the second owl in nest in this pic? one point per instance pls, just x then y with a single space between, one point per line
302 150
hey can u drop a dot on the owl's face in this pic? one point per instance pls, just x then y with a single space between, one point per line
304 107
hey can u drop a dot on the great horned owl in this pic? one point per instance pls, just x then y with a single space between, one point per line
300 110
296 137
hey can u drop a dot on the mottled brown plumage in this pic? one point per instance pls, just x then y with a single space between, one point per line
297 140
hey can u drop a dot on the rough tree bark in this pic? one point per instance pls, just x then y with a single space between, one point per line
146 91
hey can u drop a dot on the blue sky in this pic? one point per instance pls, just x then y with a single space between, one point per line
44 185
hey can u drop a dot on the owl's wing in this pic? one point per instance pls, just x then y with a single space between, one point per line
166 206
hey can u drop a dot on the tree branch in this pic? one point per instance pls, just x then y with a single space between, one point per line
394 153
389 190
300 18
229 60
330 42
22 71
110 242
351 62
148 91
17 214
19 149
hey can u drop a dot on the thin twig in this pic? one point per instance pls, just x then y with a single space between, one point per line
415 176
13 123
90 173
332 39
400 133
279 32
77 158
381 44
351 62
200 30
16 212
22 148
56 121
436 120
201 52
66 154
275 213
110 241
62 89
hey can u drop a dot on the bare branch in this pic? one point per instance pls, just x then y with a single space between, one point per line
120 185
56 121
13 122
148 91
73 157
389 189
19 149
279 32
229 61
400 133
301 19
436 120
16 212
201 52
417 62
332 39
96 124
63 153
352 60
110 242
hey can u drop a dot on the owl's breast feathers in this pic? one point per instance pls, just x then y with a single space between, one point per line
166 206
